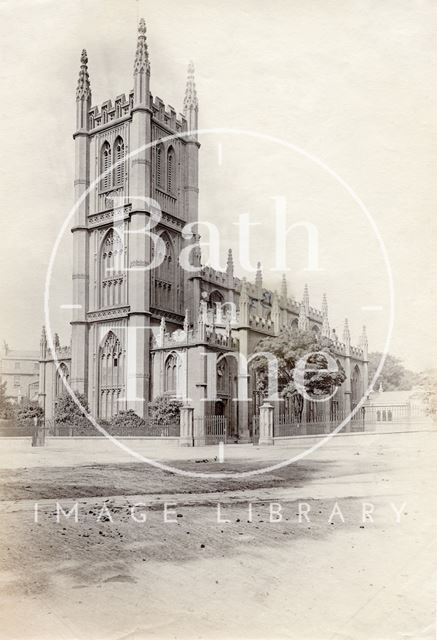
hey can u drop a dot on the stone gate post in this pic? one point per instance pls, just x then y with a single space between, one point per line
266 424
186 434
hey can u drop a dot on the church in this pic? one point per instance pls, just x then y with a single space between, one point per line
138 332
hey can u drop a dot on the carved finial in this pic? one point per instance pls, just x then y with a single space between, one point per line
324 306
142 63
364 344
284 293
230 263
259 276
43 335
190 99
83 90
346 332
306 298
56 341
303 322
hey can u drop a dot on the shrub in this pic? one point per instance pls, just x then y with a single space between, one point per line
127 420
165 410
68 414
27 412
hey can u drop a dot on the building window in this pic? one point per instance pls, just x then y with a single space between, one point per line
112 270
105 164
119 162
62 378
170 374
159 165
17 381
111 380
170 170
17 365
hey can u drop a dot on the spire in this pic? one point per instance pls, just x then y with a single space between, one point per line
276 312
324 306
190 99
244 303
303 323
43 342
142 63
326 331
230 263
364 344
306 299
83 94
83 91
141 68
284 293
259 277
346 332
191 103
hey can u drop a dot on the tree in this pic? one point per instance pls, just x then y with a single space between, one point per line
165 410
394 376
6 408
68 414
290 347
28 411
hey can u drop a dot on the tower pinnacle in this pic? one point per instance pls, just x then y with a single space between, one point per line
284 293
346 332
83 91
142 62
306 299
191 103
190 99
258 276
230 263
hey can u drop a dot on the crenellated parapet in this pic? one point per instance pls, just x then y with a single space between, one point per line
121 107
166 115
110 111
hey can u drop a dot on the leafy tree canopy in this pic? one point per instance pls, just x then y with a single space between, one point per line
165 410
6 407
289 347
68 413
394 376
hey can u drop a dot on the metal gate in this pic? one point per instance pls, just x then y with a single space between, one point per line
210 430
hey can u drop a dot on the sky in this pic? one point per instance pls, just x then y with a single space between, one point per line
326 102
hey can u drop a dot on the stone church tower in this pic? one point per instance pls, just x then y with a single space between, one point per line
134 157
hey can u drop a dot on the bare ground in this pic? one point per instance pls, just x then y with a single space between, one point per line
108 576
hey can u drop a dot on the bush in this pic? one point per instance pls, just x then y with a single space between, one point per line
27 412
165 410
127 420
68 414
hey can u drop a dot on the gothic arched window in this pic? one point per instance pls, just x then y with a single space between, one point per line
112 270
165 276
119 162
105 164
170 381
111 376
62 378
356 387
171 162
222 372
159 165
